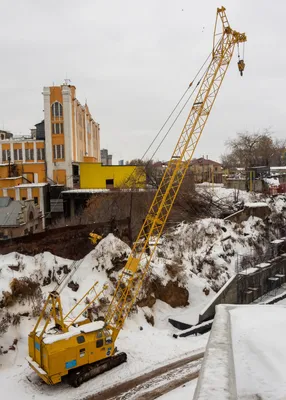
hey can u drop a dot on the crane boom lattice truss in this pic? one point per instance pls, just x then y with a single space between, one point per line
138 263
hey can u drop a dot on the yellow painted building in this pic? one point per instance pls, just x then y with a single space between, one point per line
71 134
97 176
23 157
71 137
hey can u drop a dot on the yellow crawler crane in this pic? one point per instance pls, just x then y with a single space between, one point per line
84 350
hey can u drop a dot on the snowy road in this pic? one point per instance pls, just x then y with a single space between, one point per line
155 383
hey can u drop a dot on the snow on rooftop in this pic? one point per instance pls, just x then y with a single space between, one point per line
274 182
102 190
28 185
259 349
248 271
277 241
11 178
256 204
263 265
91 327
277 168
86 191
245 354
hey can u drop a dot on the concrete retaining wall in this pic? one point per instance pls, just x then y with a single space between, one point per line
248 285
217 375
226 295
243 215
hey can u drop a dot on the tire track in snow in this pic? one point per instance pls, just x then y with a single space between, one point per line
147 386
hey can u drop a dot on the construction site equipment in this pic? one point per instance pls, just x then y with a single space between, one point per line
94 237
81 350
241 66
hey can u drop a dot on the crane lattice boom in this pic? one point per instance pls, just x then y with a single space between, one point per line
138 263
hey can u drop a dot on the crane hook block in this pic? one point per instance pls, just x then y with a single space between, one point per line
241 66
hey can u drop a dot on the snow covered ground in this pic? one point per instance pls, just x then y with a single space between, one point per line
146 349
259 349
199 257
184 392
245 355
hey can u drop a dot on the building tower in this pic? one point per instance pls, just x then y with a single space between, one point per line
71 134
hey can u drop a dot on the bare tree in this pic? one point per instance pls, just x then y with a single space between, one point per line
131 205
254 149
153 171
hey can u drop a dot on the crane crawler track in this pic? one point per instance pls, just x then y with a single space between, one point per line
87 372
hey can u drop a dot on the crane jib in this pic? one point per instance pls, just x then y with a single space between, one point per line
141 255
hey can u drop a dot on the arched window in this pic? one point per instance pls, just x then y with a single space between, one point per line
57 109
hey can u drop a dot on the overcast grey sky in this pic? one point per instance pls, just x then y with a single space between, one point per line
132 60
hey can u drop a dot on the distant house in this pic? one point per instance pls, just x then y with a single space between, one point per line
19 218
206 170
5 135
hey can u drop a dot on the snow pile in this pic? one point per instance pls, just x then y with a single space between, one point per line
278 205
146 349
272 182
208 249
48 270
229 195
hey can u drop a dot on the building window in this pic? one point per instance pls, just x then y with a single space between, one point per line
59 151
36 200
57 109
109 183
24 198
57 128
18 154
29 154
5 155
41 154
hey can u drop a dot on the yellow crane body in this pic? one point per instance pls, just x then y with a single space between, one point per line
58 354
80 349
